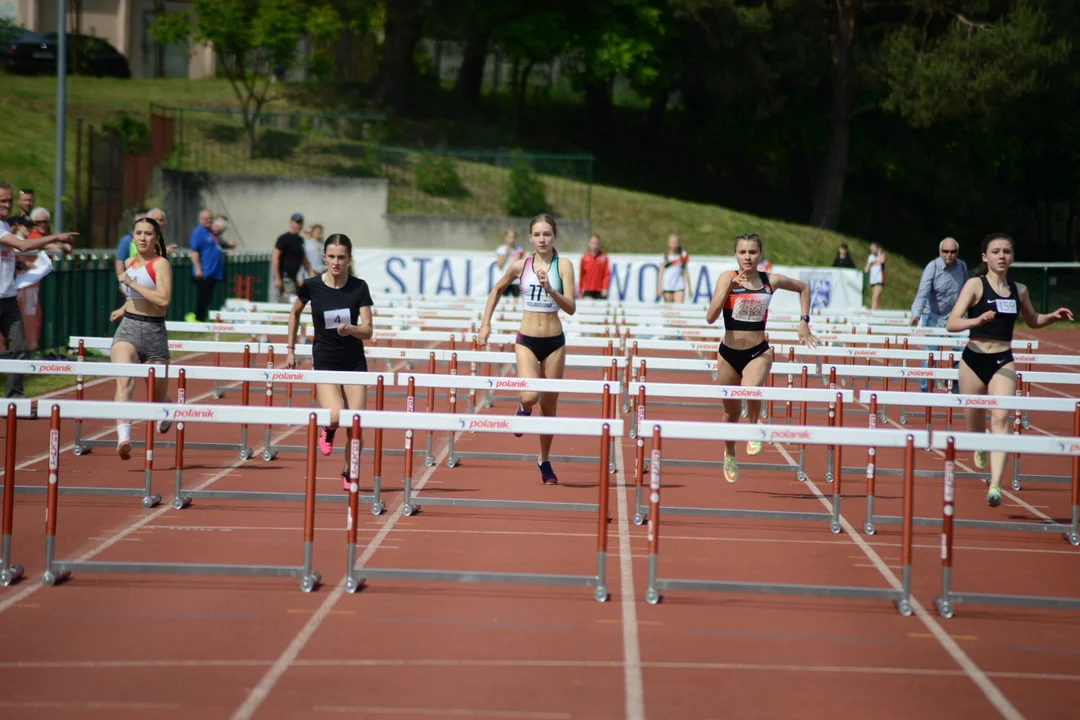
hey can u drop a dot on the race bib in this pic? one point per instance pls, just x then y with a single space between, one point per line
335 318
1006 306
750 308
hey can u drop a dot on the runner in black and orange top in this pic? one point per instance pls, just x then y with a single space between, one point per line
745 357
547 286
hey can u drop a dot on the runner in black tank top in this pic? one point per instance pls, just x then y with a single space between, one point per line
744 357
988 307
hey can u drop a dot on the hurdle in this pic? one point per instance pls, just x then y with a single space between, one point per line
604 428
719 432
765 433
953 442
58 571
22 408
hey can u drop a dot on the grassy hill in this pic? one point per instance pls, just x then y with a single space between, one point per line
626 221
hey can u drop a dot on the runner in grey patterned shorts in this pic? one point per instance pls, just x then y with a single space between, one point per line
141 337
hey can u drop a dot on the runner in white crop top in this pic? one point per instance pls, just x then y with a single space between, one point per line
145 276
540 345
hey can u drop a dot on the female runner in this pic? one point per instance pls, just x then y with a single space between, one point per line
992 304
674 278
547 286
745 357
141 337
341 313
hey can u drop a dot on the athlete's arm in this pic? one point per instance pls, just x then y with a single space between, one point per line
969 295
719 296
162 295
364 330
566 303
512 273
1036 320
294 323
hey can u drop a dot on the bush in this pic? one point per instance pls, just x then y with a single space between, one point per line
525 193
134 132
437 175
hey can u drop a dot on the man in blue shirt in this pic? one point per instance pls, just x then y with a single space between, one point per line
939 289
207 263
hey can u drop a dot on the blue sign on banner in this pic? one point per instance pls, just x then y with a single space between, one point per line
820 288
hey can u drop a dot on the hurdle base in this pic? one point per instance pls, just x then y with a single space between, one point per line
455 457
358 577
899 472
188 495
1038 527
749 514
862 593
148 501
390 452
719 464
944 604
421 500
63 570
11 574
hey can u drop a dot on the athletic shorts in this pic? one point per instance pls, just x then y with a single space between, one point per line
147 334
339 362
542 347
739 359
985 365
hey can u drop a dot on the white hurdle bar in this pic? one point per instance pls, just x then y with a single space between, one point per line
951 443
766 433
720 432
602 428
56 571
10 573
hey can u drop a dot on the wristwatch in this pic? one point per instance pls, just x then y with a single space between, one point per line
805 318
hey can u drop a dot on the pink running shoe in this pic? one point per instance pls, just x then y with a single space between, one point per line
326 441
346 484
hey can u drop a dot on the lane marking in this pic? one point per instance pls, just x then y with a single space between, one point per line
616 621
954 637
973 671
633 681
441 712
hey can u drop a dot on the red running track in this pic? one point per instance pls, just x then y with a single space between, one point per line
169 646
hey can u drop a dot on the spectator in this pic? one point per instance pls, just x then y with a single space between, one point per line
843 258
207 262
287 259
594 272
313 248
11 320
939 289
26 204
509 252
875 269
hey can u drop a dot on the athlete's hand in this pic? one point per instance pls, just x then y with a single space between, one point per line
115 315
1062 314
807 337
542 278
482 336
985 318
344 330
290 360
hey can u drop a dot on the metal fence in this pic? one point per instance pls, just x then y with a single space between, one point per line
1050 285
283 143
78 295
487 183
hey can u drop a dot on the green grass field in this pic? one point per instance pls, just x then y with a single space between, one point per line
626 221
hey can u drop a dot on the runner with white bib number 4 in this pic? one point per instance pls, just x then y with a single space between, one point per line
744 356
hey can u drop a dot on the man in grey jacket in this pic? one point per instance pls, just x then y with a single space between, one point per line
939 289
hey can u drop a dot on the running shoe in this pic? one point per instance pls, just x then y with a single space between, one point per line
346 484
980 459
731 468
326 440
123 449
523 413
547 474
993 496
753 447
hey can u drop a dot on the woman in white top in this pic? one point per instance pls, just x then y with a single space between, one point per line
547 286
141 337
674 278
875 269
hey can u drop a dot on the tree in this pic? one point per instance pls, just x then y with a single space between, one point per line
254 41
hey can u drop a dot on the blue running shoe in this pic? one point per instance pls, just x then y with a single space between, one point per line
547 474
522 413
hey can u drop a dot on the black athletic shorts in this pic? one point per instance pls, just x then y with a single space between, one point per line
541 347
739 359
985 365
341 362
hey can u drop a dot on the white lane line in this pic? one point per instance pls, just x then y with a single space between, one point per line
440 712
26 592
632 677
973 671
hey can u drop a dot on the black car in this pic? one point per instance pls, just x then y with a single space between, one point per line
29 53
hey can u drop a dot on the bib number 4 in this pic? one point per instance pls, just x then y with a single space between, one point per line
336 318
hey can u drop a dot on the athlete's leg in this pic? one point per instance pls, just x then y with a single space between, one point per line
329 398
124 353
974 418
726 375
527 369
355 399
553 367
754 375
1003 384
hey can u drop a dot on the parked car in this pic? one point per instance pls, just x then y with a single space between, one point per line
29 53
94 55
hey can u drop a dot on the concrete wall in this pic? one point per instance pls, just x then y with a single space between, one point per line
258 209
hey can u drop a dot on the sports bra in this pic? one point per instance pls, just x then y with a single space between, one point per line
145 276
534 298
747 309
1007 309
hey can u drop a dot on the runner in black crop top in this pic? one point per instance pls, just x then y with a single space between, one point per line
744 356
988 308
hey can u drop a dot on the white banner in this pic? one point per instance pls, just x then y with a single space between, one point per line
462 273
